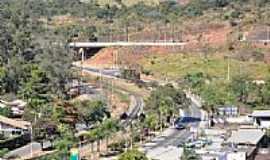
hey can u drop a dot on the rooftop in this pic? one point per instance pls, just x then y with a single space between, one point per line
165 153
261 113
14 123
246 136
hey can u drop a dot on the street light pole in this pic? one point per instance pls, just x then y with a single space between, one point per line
31 137
31 147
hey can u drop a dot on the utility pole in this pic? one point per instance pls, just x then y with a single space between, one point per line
81 51
268 33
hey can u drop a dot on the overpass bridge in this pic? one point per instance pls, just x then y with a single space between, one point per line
82 46
123 44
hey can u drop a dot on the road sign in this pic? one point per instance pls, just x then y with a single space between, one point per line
74 154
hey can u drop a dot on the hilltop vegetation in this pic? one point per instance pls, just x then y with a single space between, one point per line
127 2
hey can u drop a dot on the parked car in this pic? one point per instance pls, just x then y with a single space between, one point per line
180 126
190 144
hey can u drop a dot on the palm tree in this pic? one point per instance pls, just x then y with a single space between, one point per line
91 137
151 122
165 107
109 127
104 130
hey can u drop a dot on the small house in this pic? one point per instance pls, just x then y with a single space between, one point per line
10 127
261 118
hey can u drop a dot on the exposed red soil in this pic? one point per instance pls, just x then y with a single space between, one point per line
203 35
103 58
117 107
183 2
109 57
261 45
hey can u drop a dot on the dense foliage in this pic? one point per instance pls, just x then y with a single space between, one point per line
163 105
240 90
132 155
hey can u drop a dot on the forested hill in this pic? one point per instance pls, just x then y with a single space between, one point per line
29 25
95 16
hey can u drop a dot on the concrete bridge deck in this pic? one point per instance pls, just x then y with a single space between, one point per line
122 44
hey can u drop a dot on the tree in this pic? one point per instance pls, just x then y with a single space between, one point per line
241 85
165 102
3 83
165 109
188 154
3 151
57 62
133 155
217 93
109 127
96 134
92 112
91 33
17 44
266 93
64 141
35 89
104 130
195 80
6 111
151 121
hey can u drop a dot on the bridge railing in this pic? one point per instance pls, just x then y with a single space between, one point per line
143 36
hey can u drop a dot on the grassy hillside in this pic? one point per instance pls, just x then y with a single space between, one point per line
175 66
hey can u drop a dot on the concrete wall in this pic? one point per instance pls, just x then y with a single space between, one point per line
265 124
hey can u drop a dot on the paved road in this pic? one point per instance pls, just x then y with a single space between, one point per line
172 137
104 72
135 108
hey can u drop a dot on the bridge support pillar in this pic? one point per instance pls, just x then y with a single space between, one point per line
81 51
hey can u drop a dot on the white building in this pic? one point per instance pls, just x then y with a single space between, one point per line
245 143
261 118
251 137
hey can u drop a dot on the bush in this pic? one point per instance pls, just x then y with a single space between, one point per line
117 146
3 152
5 112
133 155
